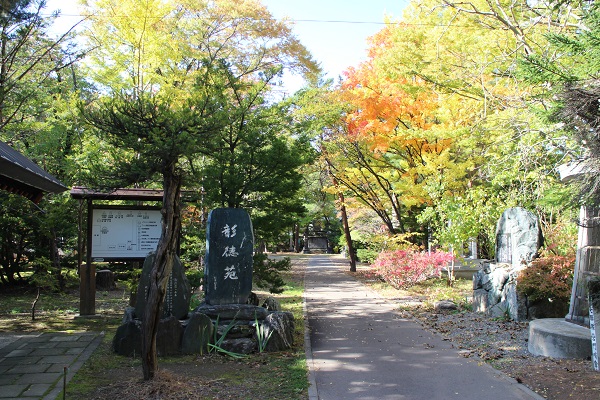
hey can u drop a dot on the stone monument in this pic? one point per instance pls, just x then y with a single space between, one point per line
224 317
178 296
228 262
316 245
587 264
174 328
518 239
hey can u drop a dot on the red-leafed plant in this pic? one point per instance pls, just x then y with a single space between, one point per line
548 277
405 268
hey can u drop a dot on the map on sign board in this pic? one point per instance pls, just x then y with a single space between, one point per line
124 233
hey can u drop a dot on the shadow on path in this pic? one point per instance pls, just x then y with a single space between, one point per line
363 349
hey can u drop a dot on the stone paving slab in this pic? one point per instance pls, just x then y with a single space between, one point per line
33 366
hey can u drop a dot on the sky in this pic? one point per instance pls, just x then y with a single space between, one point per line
334 31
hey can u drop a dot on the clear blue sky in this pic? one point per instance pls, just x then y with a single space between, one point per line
334 31
337 45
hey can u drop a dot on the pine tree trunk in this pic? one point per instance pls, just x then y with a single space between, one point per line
163 265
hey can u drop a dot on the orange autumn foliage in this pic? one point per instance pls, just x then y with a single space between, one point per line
387 110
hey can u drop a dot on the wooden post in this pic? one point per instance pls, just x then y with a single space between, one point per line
87 274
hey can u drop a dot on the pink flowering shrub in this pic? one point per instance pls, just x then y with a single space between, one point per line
405 268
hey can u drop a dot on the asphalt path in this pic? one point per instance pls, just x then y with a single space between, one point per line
359 347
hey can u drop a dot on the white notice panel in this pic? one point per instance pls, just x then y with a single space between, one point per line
124 233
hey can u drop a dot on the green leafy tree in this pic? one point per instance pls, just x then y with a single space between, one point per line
254 161
465 53
163 100
569 87
37 74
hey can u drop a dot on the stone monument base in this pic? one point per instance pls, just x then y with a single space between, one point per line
557 338
239 328
495 291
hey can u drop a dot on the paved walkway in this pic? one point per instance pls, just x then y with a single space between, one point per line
33 366
362 349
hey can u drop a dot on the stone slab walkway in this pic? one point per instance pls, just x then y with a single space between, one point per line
359 347
33 366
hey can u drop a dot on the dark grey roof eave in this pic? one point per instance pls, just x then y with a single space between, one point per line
16 166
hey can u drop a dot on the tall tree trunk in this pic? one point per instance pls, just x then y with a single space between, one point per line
347 232
344 219
163 265
56 268
80 234
297 237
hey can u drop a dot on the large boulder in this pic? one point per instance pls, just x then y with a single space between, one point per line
128 339
168 337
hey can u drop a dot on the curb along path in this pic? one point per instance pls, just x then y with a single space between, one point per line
359 347
32 366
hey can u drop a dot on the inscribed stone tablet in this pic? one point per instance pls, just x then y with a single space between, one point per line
178 296
518 236
229 248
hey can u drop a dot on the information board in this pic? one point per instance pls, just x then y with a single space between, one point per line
121 233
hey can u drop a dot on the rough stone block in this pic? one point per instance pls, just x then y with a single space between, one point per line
445 305
239 346
280 327
168 337
253 299
128 339
129 315
480 303
271 304
238 312
197 334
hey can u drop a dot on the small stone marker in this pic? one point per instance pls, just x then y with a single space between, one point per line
518 236
228 263
177 299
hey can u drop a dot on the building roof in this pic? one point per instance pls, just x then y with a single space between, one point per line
137 194
18 174
78 192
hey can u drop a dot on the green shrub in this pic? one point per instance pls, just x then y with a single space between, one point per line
267 272
194 277
548 277
367 255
